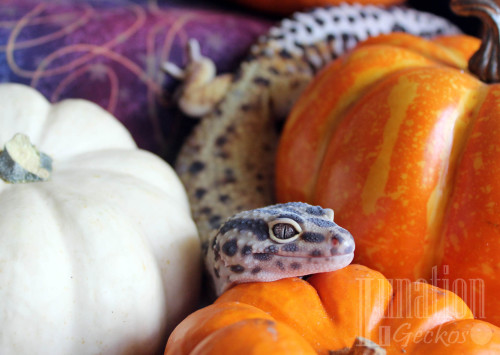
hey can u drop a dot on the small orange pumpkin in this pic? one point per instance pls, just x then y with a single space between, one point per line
286 7
403 143
327 312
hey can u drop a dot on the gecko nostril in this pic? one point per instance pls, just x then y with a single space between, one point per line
335 241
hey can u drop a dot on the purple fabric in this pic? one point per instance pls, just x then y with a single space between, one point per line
109 52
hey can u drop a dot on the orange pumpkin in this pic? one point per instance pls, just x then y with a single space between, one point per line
404 144
327 313
286 7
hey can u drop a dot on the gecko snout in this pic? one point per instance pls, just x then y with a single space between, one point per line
342 243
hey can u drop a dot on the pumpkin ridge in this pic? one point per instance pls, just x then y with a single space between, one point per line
369 65
366 95
432 50
96 163
336 119
456 154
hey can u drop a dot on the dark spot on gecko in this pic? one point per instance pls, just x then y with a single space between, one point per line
285 54
330 37
220 141
229 176
218 112
215 221
246 250
311 237
271 211
292 216
295 84
397 28
216 249
336 19
260 190
237 75
298 44
216 255
259 176
309 29
257 226
315 210
319 21
322 222
272 249
256 270
333 251
206 210
351 19
222 154
204 247
316 252
230 248
291 247
237 269
274 70
267 148
246 107
196 147
261 81
262 256
250 58
230 129
224 198
199 193
295 266
216 273
196 167
280 265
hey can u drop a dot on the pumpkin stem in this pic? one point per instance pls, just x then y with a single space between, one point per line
21 162
361 346
485 62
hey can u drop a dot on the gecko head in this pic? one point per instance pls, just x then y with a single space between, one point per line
278 241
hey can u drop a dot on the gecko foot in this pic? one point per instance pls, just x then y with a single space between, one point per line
201 89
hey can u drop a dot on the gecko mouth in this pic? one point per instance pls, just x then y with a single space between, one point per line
278 266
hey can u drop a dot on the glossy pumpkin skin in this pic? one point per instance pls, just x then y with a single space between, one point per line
402 143
329 311
286 7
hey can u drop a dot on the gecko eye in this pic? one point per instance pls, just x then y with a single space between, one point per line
284 230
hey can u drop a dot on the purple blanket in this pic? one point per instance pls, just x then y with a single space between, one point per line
110 52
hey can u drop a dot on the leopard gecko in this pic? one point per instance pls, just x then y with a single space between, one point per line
227 162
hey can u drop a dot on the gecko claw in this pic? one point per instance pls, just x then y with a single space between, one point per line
173 70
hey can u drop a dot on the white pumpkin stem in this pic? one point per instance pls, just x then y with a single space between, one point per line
21 162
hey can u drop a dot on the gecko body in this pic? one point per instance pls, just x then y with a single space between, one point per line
227 162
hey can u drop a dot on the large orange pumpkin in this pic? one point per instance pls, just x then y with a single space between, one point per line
404 144
286 7
327 313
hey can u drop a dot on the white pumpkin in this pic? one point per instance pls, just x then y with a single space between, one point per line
101 258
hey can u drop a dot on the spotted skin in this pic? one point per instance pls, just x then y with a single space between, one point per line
245 249
227 163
